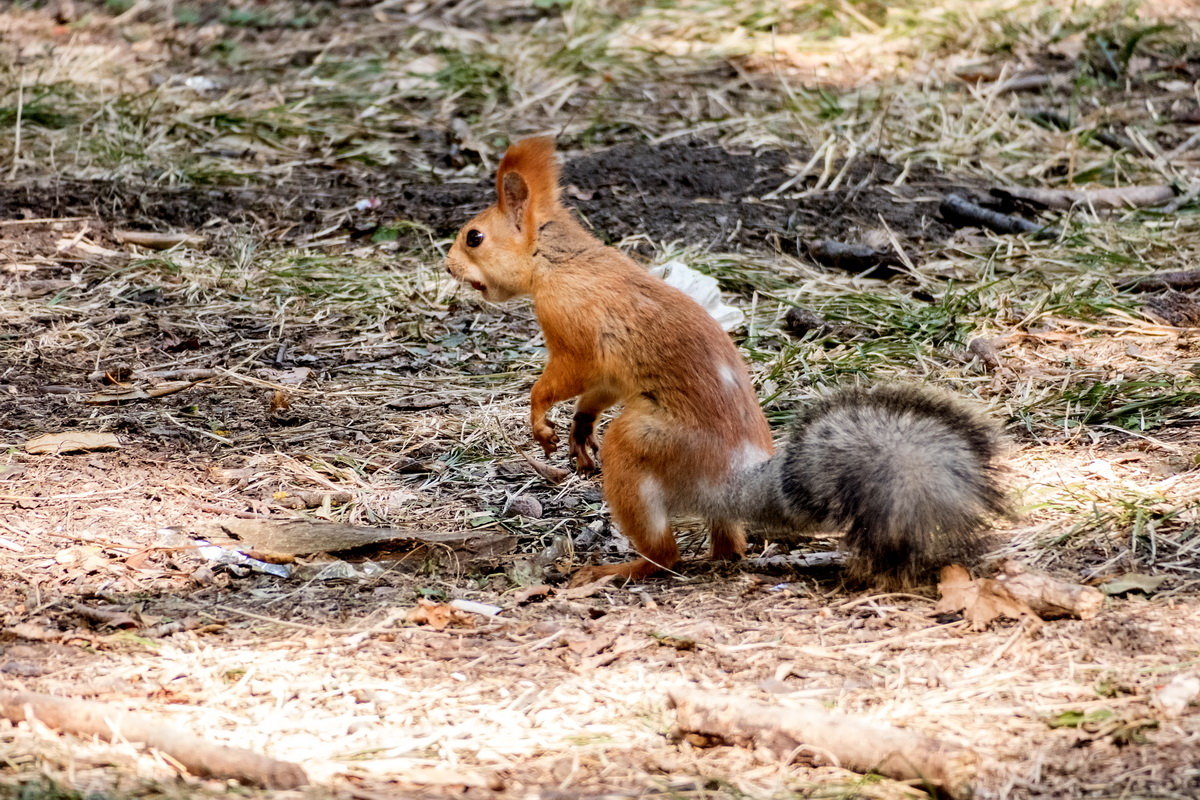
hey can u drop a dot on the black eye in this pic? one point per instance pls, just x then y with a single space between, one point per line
474 237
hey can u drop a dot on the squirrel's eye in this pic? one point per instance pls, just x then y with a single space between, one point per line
474 237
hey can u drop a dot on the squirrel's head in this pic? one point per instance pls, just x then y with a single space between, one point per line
494 251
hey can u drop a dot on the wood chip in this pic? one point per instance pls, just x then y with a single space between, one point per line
158 241
72 442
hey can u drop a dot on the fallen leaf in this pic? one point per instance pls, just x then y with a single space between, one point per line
981 601
531 593
106 616
125 394
72 442
438 615
34 633
1133 582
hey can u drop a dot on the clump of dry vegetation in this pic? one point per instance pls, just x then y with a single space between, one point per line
289 347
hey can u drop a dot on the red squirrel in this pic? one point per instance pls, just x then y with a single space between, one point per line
909 473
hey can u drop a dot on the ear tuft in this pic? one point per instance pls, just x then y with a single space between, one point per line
527 183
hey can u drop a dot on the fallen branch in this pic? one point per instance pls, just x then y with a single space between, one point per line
1049 597
157 241
856 258
847 742
796 561
198 756
1015 593
304 537
1098 199
1023 83
126 394
1175 309
962 212
72 442
1182 280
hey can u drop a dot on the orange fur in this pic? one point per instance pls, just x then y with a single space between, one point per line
616 335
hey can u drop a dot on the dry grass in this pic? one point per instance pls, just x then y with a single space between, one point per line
345 364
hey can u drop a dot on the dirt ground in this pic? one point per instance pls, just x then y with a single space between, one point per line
304 357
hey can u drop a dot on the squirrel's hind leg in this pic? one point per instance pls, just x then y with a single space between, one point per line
638 501
728 540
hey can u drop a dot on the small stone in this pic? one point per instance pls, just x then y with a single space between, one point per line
526 506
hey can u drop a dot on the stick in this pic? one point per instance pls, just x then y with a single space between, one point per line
85 718
1099 199
962 212
1050 597
851 743
856 258
1183 280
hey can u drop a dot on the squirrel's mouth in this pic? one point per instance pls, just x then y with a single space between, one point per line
477 286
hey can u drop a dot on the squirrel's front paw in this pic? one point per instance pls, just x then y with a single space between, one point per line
543 434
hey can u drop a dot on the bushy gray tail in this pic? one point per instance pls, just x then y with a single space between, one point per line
909 474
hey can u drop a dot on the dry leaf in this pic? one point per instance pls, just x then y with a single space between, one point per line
438 615
125 394
1133 582
72 442
34 633
106 616
530 593
981 601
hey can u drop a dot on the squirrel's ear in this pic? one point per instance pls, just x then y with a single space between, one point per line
527 183
514 198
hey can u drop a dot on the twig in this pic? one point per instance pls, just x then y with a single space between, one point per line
15 498
962 212
856 258
213 508
1181 280
16 156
